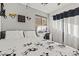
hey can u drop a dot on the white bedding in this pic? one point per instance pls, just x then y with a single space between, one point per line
15 41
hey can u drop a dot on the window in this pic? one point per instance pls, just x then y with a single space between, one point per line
41 24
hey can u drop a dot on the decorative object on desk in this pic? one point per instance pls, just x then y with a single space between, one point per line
28 18
21 18
12 15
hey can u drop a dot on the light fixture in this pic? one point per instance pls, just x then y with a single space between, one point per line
12 14
58 3
44 4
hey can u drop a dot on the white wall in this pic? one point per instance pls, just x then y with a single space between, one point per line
12 24
55 27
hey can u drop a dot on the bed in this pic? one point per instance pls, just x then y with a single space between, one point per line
15 44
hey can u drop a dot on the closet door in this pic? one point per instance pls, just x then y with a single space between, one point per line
66 31
71 37
73 30
55 37
59 30
76 32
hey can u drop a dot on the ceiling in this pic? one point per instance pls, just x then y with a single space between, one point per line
47 8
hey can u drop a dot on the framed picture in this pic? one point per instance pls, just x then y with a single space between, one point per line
21 18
